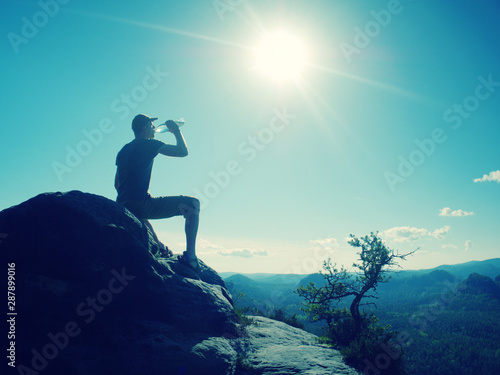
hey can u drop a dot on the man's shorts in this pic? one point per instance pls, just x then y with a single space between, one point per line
163 207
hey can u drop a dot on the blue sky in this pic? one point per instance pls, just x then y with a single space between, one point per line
391 125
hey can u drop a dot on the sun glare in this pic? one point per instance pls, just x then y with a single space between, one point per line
280 56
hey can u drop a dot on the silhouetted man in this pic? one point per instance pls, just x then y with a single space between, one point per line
134 165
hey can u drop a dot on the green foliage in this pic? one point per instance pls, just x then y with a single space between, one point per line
461 337
245 320
280 315
276 313
242 365
241 315
479 284
373 341
356 333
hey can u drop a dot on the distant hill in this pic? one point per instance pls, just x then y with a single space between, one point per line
265 295
273 278
283 279
478 284
266 292
406 285
489 267
241 280
315 278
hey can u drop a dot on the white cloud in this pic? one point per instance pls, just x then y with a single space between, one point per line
260 252
440 233
206 247
407 234
326 243
468 245
325 240
493 176
244 253
447 211
450 245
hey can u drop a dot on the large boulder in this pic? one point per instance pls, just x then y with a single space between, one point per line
91 298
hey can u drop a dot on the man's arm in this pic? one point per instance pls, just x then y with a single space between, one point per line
180 149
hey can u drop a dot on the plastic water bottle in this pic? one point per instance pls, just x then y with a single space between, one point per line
163 127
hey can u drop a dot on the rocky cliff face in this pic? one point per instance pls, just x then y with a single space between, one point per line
89 297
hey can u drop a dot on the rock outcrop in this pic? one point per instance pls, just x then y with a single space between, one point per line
90 298
275 348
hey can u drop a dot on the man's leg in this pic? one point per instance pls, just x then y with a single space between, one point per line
189 207
191 213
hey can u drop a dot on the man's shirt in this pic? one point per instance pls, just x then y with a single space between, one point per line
134 164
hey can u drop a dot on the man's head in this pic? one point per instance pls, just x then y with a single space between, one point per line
143 127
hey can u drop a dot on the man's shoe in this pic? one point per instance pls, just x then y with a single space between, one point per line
165 253
190 262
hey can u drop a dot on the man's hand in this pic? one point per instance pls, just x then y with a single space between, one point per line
180 149
172 126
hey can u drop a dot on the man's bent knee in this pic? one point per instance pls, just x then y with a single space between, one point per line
196 204
190 207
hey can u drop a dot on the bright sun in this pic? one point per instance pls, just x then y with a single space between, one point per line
280 56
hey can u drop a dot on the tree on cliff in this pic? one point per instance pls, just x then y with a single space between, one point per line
356 332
